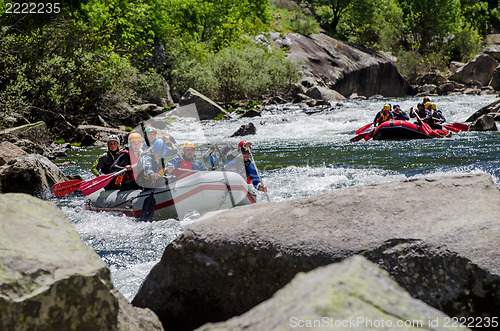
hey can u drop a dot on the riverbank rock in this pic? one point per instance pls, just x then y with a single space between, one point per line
323 93
484 123
354 294
245 129
493 107
36 132
331 63
94 135
32 174
440 242
9 151
204 108
50 280
480 69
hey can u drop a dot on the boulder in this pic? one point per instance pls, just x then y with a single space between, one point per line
93 135
439 241
493 38
480 68
455 65
493 51
30 147
433 77
447 87
245 129
51 280
251 113
484 123
9 151
495 79
194 104
345 69
354 294
323 93
35 132
32 174
493 107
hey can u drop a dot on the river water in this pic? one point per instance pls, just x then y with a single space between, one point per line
299 152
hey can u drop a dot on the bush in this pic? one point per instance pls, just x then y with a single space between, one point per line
237 72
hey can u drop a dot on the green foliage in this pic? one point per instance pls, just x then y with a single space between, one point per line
243 72
60 141
288 17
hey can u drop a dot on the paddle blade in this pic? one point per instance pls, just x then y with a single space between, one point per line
363 129
451 128
96 184
460 126
67 187
359 137
148 208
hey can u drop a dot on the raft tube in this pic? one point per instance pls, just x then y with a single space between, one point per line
404 130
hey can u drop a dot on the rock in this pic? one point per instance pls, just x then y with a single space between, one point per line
345 69
439 242
455 65
245 130
51 280
433 77
495 79
427 89
251 113
323 93
447 87
493 107
9 151
93 135
474 91
484 123
493 38
32 174
30 147
196 105
348 294
36 131
496 116
493 51
480 68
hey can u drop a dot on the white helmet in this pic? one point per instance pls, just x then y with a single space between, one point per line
114 137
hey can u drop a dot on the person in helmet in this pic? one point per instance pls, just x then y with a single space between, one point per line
151 165
250 167
103 163
152 134
383 115
128 159
185 161
398 114
422 112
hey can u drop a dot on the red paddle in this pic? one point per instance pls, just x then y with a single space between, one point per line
67 187
427 129
450 128
361 136
98 183
460 126
363 129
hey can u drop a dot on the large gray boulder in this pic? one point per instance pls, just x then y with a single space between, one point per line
36 132
196 105
480 69
437 237
32 174
9 151
50 280
484 123
493 107
343 68
352 295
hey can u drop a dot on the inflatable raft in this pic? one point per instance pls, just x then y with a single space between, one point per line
405 130
203 191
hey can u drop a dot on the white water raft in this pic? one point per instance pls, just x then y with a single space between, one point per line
203 192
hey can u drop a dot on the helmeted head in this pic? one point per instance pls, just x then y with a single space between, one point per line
421 105
426 99
160 148
428 105
433 106
188 149
151 133
396 107
386 108
135 141
113 143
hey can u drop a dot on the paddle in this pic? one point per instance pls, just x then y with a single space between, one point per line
258 175
365 136
67 187
427 129
149 204
460 126
98 183
450 128
363 128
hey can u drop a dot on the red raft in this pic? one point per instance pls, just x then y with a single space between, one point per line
405 130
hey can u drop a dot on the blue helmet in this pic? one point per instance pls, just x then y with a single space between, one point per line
395 106
160 148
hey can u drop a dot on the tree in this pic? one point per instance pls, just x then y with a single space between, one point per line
330 11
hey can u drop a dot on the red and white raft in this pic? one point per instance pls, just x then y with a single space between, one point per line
203 192
405 130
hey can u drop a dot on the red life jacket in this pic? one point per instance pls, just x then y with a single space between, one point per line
133 161
183 165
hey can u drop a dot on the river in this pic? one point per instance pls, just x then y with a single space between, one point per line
299 152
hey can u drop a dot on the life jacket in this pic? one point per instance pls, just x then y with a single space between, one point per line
384 117
247 170
183 165
130 175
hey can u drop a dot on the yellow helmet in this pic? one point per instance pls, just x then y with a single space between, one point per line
134 136
434 106
427 104
387 107
188 144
